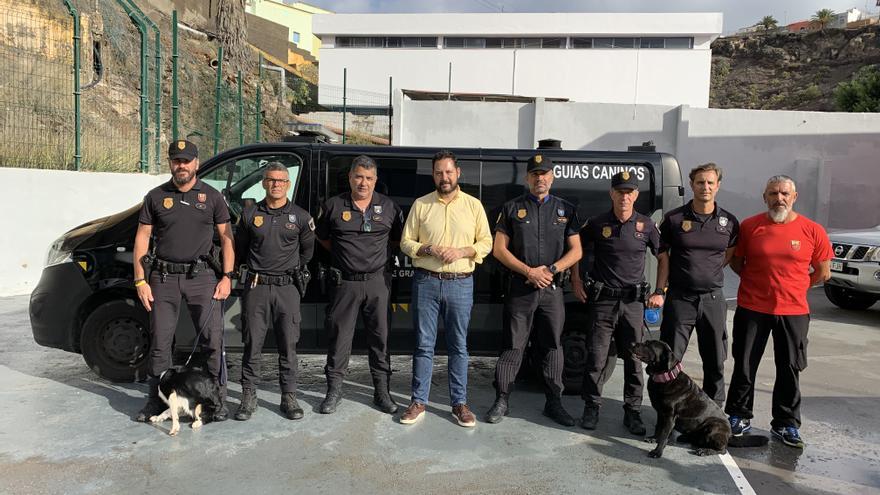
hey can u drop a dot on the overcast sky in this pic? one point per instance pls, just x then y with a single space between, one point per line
737 13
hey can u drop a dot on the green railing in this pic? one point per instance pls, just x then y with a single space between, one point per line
82 88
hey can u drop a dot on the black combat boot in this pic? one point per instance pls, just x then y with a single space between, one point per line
290 407
499 409
590 417
553 409
220 411
248 404
632 419
382 395
154 405
334 395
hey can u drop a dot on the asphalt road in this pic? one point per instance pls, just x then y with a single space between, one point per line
64 430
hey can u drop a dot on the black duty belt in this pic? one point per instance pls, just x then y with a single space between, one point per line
359 276
599 291
258 278
446 275
172 268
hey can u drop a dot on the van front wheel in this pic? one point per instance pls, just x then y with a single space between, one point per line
115 341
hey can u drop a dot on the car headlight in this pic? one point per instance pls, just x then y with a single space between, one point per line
58 252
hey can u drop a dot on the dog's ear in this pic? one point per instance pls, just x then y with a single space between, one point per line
667 357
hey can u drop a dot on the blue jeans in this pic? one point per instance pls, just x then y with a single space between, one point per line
452 300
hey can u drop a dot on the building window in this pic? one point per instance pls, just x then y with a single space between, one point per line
386 42
295 37
472 42
582 42
649 43
679 43
652 43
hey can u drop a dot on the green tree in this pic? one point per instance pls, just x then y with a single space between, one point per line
823 18
861 93
768 22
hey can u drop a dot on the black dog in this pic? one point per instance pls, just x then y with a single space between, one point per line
681 404
186 392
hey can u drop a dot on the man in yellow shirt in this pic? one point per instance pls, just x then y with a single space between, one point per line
446 234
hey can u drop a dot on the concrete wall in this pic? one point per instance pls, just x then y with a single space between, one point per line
645 76
832 156
594 75
296 17
268 36
43 204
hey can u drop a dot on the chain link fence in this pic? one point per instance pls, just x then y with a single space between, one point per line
126 89
36 126
365 116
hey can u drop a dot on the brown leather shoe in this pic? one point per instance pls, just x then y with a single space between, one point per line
413 413
464 416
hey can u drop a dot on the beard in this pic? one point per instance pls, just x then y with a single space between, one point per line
182 179
446 187
778 213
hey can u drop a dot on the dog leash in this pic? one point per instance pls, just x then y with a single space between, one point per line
223 371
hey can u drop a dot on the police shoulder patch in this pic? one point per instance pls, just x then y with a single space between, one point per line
311 224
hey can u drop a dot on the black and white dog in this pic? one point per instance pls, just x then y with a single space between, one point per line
188 392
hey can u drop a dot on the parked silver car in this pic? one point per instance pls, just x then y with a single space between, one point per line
855 268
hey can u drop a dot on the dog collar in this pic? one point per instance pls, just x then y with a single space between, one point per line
667 376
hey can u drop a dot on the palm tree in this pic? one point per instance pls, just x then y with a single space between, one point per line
768 22
823 18
232 33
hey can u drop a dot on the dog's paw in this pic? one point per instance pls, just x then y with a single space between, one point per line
196 424
703 452
174 431
656 453
154 419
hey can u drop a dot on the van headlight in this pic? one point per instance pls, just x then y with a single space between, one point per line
58 252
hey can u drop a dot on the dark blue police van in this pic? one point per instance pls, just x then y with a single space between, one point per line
85 301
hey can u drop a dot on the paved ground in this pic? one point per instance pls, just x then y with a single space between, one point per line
63 430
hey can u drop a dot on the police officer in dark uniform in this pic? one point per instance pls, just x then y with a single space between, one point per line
696 241
358 229
275 239
615 292
181 217
536 238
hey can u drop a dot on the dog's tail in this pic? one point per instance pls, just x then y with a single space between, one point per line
748 441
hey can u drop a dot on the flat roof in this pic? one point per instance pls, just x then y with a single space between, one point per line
531 24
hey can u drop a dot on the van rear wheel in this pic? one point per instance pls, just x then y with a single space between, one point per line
115 341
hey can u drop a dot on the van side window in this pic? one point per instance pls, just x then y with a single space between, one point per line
240 179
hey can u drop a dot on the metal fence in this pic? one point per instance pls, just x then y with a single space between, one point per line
134 93
36 127
362 117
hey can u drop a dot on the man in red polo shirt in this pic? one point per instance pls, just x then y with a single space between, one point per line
773 259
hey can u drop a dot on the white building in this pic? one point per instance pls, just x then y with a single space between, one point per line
609 58
841 19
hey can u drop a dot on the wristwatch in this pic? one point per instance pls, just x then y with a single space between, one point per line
660 292
229 275
553 269
428 250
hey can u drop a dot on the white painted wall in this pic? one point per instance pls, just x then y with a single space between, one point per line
833 157
644 76
43 204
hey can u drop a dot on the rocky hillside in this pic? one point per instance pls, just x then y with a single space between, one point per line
788 71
